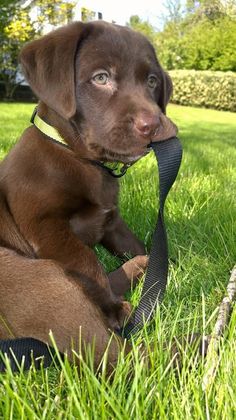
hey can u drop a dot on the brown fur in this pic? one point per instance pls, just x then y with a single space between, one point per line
56 205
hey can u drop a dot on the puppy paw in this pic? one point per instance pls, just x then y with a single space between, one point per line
117 318
135 268
128 274
124 313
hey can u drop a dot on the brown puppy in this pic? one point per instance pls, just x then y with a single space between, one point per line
101 87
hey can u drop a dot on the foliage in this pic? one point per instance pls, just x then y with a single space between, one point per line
202 38
201 45
200 216
87 14
142 26
15 30
210 89
173 10
56 12
211 8
17 26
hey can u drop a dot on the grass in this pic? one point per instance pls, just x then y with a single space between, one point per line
200 217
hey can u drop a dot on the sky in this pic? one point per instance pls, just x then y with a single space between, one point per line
121 10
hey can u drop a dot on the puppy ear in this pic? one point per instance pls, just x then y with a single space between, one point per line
166 91
49 66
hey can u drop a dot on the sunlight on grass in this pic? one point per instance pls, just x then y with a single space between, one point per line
200 218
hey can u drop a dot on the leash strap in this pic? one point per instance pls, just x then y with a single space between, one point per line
168 154
27 349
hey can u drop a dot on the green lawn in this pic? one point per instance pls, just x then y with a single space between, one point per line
200 216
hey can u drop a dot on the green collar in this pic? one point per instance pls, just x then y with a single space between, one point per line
116 169
45 128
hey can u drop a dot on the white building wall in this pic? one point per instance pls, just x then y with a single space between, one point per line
91 5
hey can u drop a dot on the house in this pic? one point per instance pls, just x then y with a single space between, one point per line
83 10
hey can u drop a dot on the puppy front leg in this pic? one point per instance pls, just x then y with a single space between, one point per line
119 239
56 241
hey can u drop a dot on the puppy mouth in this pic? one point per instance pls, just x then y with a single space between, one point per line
110 156
135 158
118 165
107 154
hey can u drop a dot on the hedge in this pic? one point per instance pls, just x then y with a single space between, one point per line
209 89
22 93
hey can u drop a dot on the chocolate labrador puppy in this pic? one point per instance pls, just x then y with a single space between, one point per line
102 94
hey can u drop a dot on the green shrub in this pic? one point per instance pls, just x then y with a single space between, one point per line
209 89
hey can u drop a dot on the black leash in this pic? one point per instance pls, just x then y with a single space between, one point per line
168 154
28 350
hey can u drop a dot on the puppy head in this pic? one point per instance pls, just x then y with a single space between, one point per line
108 81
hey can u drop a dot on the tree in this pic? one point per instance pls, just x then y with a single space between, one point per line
87 14
204 38
174 11
211 45
15 30
54 12
18 27
142 26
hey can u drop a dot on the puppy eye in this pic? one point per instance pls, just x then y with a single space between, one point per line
101 78
152 81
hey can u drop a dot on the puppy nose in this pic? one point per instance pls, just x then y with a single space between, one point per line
146 125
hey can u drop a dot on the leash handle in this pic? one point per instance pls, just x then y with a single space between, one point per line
168 154
28 349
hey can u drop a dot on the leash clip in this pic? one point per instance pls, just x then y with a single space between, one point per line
123 170
114 167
